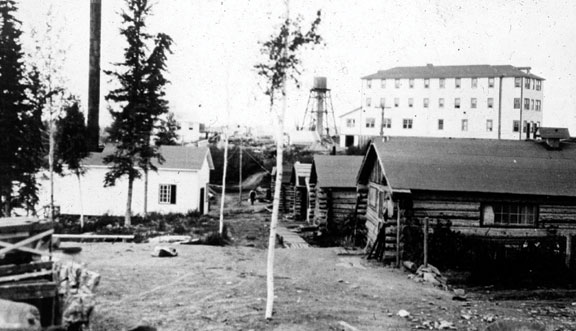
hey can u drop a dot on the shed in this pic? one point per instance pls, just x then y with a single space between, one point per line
179 185
513 190
299 181
333 196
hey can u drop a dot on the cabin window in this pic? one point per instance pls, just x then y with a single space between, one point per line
167 194
376 200
509 214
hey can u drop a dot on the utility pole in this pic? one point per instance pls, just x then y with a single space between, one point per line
382 107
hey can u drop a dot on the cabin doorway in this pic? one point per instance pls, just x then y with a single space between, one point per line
349 141
202 201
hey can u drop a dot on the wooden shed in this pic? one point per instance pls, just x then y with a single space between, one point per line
299 182
504 190
286 190
333 195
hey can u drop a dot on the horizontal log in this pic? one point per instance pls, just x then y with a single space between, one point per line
343 194
26 291
544 217
29 275
447 214
560 208
446 205
13 269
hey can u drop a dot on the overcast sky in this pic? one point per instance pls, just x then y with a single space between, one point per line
216 47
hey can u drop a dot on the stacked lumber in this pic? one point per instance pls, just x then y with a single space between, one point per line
23 276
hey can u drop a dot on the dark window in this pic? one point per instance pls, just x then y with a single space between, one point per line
167 194
509 214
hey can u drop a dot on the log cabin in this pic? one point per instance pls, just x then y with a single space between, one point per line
286 192
500 189
299 184
333 197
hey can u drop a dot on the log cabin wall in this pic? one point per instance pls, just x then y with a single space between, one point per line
311 203
321 207
300 203
286 196
341 207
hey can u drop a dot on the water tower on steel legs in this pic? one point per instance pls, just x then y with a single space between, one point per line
319 115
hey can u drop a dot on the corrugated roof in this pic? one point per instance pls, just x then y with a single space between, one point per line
175 157
336 170
554 133
300 170
490 166
465 71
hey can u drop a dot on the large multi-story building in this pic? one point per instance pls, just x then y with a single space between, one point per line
472 101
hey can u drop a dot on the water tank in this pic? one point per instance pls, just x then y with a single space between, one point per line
320 83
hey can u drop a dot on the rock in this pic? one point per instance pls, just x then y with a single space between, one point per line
164 251
445 325
489 318
459 292
410 266
19 316
430 278
403 313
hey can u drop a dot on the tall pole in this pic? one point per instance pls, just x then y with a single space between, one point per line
94 74
240 182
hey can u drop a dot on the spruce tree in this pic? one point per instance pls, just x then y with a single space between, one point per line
20 120
140 97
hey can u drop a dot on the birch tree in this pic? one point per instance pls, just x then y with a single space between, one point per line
282 64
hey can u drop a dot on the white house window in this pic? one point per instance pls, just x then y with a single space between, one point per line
509 214
387 123
407 123
490 102
382 102
442 82
369 83
474 82
370 122
368 102
397 83
440 124
516 126
350 122
167 194
491 82
426 83
410 102
516 103
517 82
426 102
526 104
538 85
396 102
527 83
532 104
464 125
538 105
489 125
411 82
457 82
457 103
473 103
383 83
441 103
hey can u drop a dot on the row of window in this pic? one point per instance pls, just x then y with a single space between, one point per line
528 103
407 123
536 84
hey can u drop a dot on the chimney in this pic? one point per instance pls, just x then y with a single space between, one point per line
94 75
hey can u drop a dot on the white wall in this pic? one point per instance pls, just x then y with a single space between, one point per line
98 200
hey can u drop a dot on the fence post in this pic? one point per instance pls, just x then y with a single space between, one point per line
398 235
425 242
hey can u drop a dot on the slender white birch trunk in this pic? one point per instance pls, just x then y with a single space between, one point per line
221 230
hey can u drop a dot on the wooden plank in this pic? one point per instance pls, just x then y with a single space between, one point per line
502 232
13 269
447 214
25 291
9 247
29 275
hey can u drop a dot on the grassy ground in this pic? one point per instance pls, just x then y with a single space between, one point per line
224 288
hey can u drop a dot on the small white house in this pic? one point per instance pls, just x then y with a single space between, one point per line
179 185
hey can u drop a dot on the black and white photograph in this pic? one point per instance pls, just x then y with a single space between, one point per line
287 165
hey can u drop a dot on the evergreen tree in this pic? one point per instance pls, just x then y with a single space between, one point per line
140 97
71 142
20 121
168 131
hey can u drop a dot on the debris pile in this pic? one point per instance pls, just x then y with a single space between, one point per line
426 274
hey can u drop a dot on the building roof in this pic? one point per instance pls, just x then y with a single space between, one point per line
175 157
350 112
469 165
465 71
335 170
554 133
300 173
286 172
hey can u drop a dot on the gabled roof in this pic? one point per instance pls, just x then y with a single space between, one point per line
554 133
464 71
300 171
175 157
350 112
335 170
469 165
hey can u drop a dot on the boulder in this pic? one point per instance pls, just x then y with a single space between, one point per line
164 251
19 316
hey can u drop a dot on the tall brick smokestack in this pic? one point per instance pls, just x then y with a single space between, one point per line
94 74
